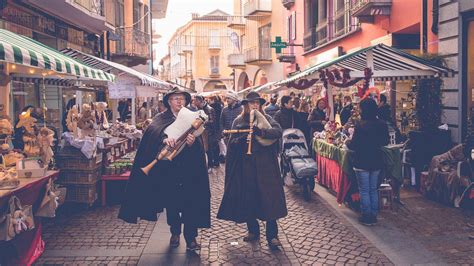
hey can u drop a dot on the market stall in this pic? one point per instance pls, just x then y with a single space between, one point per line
26 188
335 169
357 72
130 83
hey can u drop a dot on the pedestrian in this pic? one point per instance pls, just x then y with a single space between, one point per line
181 185
287 117
318 117
384 109
273 107
370 135
253 185
346 111
211 132
230 112
143 113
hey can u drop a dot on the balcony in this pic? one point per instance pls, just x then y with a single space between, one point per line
214 45
236 22
133 47
255 8
236 61
185 73
365 10
258 56
185 49
288 3
214 72
287 56
158 8
89 14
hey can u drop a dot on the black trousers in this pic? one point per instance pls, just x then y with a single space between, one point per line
174 220
271 228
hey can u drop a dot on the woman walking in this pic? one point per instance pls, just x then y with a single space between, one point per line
253 186
370 135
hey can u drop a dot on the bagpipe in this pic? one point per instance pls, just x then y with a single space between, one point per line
259 120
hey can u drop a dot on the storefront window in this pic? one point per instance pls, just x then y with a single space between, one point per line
24 94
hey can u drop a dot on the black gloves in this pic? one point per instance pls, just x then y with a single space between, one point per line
257 131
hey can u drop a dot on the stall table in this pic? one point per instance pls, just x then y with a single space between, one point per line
335 169
26 247
122 177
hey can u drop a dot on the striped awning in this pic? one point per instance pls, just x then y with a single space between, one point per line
388 63
25 51
105 65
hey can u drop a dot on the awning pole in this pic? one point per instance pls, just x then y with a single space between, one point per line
330 102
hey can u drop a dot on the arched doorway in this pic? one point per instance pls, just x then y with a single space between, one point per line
243 81
214 85
260 78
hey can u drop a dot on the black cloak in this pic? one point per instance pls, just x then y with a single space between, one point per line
253 184
148 195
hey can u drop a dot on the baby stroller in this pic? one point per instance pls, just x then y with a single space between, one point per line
296 159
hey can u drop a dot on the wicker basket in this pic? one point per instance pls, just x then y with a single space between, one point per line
79 176
82 193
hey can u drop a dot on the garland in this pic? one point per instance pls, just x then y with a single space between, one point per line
340 78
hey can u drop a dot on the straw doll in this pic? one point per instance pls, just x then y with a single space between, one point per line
87 122
72 119
45 139
31 147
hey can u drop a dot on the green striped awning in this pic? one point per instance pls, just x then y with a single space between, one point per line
25 51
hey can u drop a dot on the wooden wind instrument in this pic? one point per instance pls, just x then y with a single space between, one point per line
169 152
249 136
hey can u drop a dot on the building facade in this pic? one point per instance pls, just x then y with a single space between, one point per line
255 24
330 28
456 44
198 54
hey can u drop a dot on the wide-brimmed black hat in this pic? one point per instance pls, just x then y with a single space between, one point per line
253 96
176 90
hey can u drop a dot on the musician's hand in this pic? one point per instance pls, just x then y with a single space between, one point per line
257 131
170 142
190 139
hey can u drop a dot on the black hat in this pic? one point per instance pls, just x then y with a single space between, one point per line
176 90
252 96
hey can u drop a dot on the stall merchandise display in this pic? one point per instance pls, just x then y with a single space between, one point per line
9 179
86 122
121 165
124 130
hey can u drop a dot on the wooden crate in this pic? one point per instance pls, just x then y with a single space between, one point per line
80 176
82 193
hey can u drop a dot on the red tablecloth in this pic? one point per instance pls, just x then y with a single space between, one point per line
330 175
25 248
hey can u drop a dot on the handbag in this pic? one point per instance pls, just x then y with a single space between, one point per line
50 202
18 219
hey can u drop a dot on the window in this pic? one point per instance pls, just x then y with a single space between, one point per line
470 68
264 39
214 40
322 10
214 64
136 14
146 21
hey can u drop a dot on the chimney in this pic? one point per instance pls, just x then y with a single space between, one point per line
194 15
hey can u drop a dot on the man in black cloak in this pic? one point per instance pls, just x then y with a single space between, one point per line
253 185
181 186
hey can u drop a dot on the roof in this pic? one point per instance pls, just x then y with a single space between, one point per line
388 64
25 51
146 80
216 15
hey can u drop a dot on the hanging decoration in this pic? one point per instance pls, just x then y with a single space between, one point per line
340 78
361 90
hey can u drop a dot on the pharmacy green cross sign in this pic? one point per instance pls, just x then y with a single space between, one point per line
278 44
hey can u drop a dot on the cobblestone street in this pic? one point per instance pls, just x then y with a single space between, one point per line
311 233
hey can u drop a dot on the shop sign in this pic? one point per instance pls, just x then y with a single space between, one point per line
122 88
278 44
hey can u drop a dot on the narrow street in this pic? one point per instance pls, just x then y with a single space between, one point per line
311 233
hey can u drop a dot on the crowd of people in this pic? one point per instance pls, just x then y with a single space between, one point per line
253 183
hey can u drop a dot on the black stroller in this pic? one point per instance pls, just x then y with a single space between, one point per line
296 159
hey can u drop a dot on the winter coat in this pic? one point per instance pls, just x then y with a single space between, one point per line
229 113
287 118
385 113
182 183
346 113
253 185
217 106
315 120
272 109
368 139
210 135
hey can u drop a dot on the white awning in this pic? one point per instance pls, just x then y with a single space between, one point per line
105 65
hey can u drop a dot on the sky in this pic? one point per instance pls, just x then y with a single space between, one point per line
178 14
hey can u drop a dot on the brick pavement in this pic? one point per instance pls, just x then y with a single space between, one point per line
312 233
439 228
